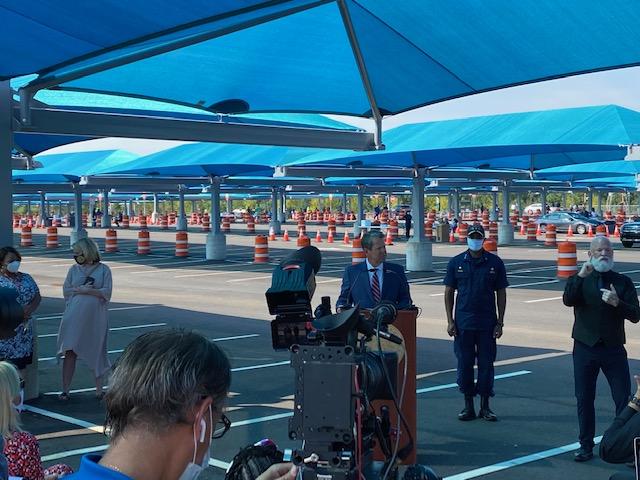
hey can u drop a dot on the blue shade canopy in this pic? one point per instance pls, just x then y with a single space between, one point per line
204 159
37 35
297 56
66 167
626 181
620 168
530 140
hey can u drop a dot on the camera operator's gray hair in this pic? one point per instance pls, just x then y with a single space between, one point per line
369 237
161 376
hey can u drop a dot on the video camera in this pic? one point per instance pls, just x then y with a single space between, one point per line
337 377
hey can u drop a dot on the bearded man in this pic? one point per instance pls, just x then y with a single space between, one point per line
601 299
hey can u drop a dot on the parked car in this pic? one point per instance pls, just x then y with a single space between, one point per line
533 208
630 233
562 220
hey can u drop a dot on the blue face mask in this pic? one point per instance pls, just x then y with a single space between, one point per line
474 244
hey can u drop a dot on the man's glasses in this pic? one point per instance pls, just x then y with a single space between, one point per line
222 426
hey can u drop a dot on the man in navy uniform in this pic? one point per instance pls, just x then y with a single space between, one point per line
480 279
368 283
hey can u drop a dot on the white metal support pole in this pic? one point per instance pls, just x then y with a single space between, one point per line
419 256
78 231
274 223
505 229
106 216
181 221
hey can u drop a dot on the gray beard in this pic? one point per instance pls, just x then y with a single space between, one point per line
602 267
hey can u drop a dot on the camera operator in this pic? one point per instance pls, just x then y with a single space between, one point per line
617 442
164 405
386 281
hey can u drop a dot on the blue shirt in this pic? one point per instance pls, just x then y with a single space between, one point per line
476 281
91 469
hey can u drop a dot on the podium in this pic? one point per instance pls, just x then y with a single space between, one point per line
406 323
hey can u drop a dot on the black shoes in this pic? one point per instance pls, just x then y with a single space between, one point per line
485 412
583 454
468 412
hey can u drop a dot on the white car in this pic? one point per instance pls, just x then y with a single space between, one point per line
533 208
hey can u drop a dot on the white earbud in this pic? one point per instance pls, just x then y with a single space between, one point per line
203 430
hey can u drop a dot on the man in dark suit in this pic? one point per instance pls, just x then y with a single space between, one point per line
368 283
601 299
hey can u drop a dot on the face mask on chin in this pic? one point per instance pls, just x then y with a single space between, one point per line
601 266
80 260
194 469
13 267
475 244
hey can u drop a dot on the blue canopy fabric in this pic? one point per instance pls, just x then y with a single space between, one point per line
204 159
68 167
529 140
38 35
619 169
295 55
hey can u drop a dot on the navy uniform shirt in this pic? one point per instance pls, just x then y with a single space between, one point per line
476 280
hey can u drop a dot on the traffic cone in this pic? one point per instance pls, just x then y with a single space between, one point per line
452 237
570 232
538 231
523 230
346 239
285 236
606 230
330 237
318 237
590 232
389 238
272 235
616 232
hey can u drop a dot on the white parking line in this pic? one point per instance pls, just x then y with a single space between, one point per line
114 329
329 281
115 309
534 457
533 283
265 365
543 300
73 453
455 385
208 274
264 277
237 337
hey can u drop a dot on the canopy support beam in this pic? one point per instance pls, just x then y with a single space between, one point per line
216 248
78 231
6 141
505 229
419 256
99 124
181 221
364 74
359 212
274 223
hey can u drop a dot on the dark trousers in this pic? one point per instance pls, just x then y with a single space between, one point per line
469 346
587 363
407 231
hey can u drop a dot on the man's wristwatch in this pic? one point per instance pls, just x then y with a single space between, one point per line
636 401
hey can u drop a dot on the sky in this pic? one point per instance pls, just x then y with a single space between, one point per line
620 87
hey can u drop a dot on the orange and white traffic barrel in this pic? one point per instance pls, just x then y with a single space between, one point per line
357 253
143 222
251 224
52 237
144 242
126 221
567 259
428 230
490 245
550 237
462 230
164 223
261 254
206 223
393 227
182 244
524 225
493 231
111 241
226 224
26 238
531 232
340 219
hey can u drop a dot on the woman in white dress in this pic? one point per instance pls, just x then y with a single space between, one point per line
84 326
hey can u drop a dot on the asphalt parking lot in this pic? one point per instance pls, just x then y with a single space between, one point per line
225 301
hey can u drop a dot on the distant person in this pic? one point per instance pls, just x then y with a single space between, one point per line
454 224
480 280
21 448
368 283
84 327
407 224
19 348
165 405
376 211
601 299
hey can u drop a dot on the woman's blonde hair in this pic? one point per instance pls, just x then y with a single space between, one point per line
9 390
89 250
